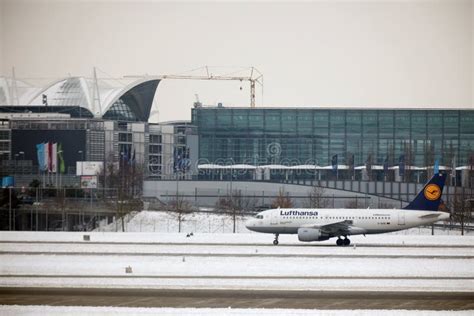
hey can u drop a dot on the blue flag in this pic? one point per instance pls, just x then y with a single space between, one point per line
401 165
334 163
124 154
385 165
40 153
436 166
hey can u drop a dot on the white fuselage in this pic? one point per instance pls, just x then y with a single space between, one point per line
362 221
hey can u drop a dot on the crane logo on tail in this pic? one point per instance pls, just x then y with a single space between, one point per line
432 192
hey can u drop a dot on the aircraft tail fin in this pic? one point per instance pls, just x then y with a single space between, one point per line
429 198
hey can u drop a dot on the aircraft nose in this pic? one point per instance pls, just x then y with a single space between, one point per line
249 224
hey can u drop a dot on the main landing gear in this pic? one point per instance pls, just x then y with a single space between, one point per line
343 242
275 242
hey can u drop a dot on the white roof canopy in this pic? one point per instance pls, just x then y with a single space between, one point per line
315 167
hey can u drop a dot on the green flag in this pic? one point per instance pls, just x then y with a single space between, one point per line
62 168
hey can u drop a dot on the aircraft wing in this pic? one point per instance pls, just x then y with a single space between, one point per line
337 228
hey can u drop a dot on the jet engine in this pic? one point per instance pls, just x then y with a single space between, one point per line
311 234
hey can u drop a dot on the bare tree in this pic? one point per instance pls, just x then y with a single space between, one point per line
384 205
179 207
461 209
354 203
60 203
316 198
470 176
349 161
236 204
282 200
124 182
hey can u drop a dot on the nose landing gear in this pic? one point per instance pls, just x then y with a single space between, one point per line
275 242
343 242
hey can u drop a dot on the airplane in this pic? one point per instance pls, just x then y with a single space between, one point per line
323 224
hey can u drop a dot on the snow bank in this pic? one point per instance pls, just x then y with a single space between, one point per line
166 222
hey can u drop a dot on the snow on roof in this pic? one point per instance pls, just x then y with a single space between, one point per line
316 167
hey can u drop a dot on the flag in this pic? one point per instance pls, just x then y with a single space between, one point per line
177 160
40 154
50 156
54 157
132 158
385 165
62 168
368 163
124 154
401 165
46 156
334 163
453 168
436 167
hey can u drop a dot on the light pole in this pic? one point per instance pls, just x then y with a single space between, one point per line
10 208
81 153
177 187
231 194
81 214
231 178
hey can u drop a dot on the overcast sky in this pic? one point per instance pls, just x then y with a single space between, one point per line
321 53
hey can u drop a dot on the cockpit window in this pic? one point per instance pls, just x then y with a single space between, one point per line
259 216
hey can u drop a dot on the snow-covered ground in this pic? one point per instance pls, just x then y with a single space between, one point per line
236 261
212 258
167 222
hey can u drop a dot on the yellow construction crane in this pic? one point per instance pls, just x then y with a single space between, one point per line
254 77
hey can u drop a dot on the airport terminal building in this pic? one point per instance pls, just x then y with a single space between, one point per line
342 141
367 148
94 122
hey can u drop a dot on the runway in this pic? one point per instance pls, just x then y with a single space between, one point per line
241 250
237 299
236 270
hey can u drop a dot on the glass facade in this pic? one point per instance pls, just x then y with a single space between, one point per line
135 104
313 136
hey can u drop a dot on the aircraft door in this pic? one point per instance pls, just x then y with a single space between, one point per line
401 218
274 218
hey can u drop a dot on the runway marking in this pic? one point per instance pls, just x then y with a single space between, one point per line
230 255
